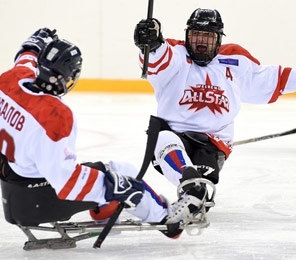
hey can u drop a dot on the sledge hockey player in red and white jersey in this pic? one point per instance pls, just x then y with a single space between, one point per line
199 86
38 135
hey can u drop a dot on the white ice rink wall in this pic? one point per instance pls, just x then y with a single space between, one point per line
103 29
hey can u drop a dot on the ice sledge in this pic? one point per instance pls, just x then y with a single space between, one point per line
36 208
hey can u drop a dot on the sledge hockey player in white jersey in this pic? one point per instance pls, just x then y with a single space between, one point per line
41 179
199 85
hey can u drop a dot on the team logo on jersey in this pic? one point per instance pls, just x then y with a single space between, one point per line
205 95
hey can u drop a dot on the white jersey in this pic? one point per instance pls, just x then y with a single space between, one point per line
207 99
38 136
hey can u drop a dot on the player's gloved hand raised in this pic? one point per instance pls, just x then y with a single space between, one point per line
122 188
36 42
148 32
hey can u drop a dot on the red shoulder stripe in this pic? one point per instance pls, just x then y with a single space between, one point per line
235 49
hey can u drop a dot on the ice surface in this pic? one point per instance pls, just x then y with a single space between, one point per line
255 213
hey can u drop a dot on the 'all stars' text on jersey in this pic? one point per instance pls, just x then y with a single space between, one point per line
202 95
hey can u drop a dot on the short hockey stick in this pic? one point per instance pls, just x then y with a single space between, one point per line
147 47
153 130
264 137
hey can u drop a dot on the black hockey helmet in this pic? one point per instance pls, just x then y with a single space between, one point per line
59 65
205 20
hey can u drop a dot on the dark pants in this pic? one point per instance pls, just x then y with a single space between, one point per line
201 152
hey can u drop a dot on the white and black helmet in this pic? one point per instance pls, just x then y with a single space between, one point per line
59 67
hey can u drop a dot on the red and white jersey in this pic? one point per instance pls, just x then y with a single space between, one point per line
207 99
38 136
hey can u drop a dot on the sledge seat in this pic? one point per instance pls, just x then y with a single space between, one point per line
36 202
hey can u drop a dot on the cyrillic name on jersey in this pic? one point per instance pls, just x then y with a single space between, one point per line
12 116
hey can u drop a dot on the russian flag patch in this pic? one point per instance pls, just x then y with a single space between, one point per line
188 59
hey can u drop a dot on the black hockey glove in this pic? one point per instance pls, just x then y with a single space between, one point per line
148 32
124 189
36 42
